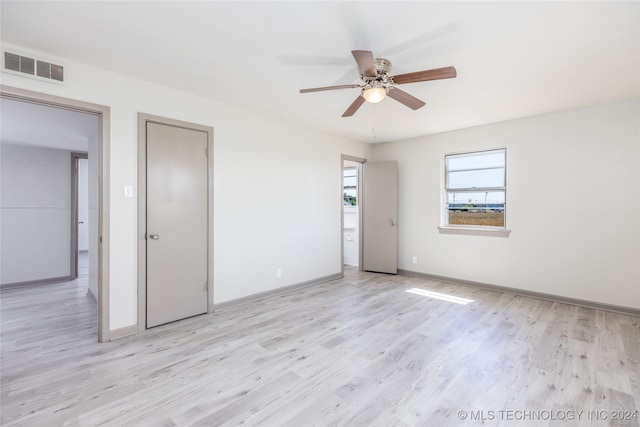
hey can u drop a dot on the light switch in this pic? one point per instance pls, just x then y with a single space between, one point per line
128 191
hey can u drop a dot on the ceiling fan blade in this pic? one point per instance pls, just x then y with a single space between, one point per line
404 98
318 89
423 76
366 63
353 107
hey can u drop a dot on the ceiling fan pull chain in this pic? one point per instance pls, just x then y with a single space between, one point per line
373 122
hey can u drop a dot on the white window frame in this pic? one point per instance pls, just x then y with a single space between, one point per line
447 228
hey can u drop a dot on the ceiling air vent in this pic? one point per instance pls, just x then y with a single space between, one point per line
33 67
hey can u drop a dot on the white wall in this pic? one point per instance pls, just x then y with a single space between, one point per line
35 213
255 228
278 204
573 205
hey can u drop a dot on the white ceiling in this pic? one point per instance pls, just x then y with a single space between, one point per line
513 59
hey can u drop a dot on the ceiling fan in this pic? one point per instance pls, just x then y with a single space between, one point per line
377 83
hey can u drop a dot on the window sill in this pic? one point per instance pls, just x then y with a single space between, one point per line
470 231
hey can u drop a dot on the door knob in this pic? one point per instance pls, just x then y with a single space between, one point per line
393 223
154 236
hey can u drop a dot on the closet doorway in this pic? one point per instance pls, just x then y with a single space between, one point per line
351 202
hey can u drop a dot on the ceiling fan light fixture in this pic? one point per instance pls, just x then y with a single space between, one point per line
374 92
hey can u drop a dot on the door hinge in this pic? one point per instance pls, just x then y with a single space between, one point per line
204 286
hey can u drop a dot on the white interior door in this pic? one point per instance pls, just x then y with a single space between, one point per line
380 216
176 223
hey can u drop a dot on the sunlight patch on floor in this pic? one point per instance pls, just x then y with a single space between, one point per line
437 295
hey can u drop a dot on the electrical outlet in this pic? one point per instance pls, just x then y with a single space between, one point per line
278 273
414 259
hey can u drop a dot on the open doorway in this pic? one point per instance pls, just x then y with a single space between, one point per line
351 226
31 123
369 223
351 211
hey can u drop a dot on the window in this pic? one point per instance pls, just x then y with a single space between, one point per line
350 186
475 188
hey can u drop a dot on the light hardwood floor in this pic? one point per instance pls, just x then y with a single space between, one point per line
360 351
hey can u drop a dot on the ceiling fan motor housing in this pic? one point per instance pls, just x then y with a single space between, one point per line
383 66
382 78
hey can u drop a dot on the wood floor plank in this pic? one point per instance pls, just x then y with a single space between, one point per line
359 351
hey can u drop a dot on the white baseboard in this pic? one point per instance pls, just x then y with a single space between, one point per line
92 297
123 332
133 329
540 295
39 282
260 295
